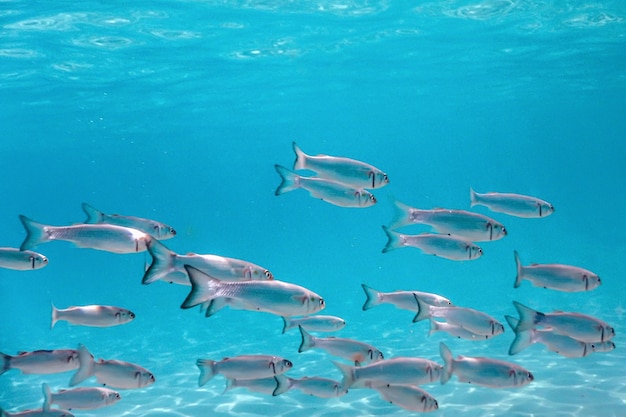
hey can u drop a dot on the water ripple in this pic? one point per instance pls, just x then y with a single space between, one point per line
487 10
105 42
19 53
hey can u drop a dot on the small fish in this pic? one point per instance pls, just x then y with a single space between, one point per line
349 349
92 315
106 237
13 258
112 373
243 367
463 224
397 371
318 387
345 170
512 204
315 323
169 266
472 320
273 385
41 412
556 276
80 398
445 246
153 228
492 373
332 192
408 397
276 297
576 325
404 300
455 330
41 361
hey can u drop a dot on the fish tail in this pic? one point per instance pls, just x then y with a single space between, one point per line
286 324
55 316
214 306
528 317
230 384
283 384
93 215
401 215
47 396
207 370
522 339
372 295
203 288
300 162
6 362
348 374
473 197
85 368
35 233
394 241
448 361
518 264
434 327
289 180
423 310
308 341
163 261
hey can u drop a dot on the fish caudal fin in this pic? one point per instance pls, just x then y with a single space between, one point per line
6 363
286 324
203 287
300 162
207 370
448 362
283 384
518 264
394 241
55 316
289 180
93 215
163 261
401 215
85 368
35 233
434 327
348 374
47 396
473 197
215 305
528 317
308 341
423 310
522 340
372 295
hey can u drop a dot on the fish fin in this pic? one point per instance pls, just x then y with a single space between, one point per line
55 316
372 297
300 162
308 341
289 180
528 317
163 262
85 368
518 264
473 197
522 340
6 362
286 324
230 384
394 241
401 214
93 215
47 396
207 370
203 287
433 327
283 384
348 374
35 233
448 362
215 305
423 310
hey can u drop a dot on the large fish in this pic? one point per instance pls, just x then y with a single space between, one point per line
92 315
492 373
276 297
106 237
272 385
80 398
408 397
332 192
349 349
153 228
397 371
41 361
316 323
556 276
41 412
404 300
345 170
13 258
463 224
445 246
243 367
512 204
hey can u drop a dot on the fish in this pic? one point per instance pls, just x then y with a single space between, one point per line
512 204
487 372
349 349
273 385
41 361
111 373
400 370
444 246
464 224
41 412
455 330
106 237
558 343
404 300
472 320
332 192
317 323
92 315
318 387
243 367
21 260
556 276
155 229
345 170
276 297
576 325
169 266
80 398
408 397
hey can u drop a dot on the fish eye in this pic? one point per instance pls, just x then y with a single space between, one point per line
372 198
268 274
172 230
321 301
288 363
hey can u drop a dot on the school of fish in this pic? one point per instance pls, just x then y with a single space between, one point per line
216 282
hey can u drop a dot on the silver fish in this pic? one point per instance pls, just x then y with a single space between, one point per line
408 397
345 170
316 323
80 398
404 300
92 315
13 258
556 276
153 228
444 246
106 237
318 387
41 412
243 367
349 349
276 297
512 204
487 372
332 192
41 361
273 385
463 224
455 330
396 371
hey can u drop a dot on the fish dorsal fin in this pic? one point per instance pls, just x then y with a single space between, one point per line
534 264
191 254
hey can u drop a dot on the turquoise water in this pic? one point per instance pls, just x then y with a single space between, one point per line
178 111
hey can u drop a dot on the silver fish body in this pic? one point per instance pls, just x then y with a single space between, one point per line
41 361
318 387
408 397
315 323
155 229
456 331
21 260
559 277
80 398
273 385
92 315
243 367
404 300
349 349
444 246
396 371
41 412
512 204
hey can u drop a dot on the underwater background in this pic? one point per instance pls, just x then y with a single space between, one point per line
178 110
